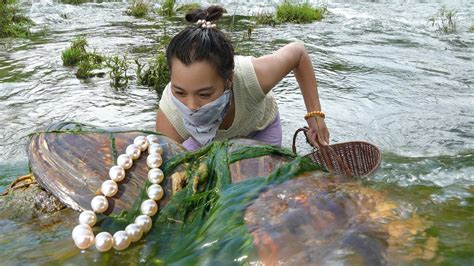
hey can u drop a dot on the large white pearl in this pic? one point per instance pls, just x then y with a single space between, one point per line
154 160
149 207
155 192
87 217
141 142
134 232
99 204
80 229
155 175
109 188
144 221
155 148
133 151
83 236
117 173
152 139
121 240
124 161
104 241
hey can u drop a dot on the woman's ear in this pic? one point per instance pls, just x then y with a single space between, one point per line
230 81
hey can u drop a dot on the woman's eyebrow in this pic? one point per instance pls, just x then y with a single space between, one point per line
198 90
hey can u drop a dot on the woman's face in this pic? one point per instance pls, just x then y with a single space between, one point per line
196 84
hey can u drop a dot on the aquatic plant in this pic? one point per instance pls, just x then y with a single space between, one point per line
74 2
138 9
118 72
167 8
266 18
299 13
87 65
471 29
185 8
444 20
156 76
73 55
12 23
77 54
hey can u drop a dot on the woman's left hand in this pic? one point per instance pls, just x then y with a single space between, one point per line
318 133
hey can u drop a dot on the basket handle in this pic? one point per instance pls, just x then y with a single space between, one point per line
325 151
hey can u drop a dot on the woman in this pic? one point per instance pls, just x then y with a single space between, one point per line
216 95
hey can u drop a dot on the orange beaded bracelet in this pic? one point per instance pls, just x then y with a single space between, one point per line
314 114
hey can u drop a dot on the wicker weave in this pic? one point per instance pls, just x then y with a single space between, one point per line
352 159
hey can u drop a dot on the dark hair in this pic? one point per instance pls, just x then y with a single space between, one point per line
196 43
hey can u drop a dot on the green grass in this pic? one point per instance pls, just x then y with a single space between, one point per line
12 22
156 76
185 8
72 56
139 9
299 13
167 8
77 55
444 20
74 2
266 18
118 72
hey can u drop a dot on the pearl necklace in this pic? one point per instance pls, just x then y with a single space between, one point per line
82 234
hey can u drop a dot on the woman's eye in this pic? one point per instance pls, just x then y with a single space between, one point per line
179 93
207 95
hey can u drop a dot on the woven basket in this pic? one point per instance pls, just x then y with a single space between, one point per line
352 159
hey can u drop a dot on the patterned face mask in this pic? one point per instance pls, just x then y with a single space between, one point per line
203 122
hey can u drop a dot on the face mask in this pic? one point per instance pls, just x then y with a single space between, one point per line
203 122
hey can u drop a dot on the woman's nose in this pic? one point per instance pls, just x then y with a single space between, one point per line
192 103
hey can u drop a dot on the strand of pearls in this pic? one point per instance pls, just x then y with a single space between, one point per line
83 235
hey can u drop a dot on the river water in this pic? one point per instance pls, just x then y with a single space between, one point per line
385 75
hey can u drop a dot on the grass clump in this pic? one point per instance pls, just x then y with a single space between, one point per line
167 8
73 55
156 76
138 9
74 2
185 8
77 55
118 72
471 29
266 18
299 13
444 20
12 23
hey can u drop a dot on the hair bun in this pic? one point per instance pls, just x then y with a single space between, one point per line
212 13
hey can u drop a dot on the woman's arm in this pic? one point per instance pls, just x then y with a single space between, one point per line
271 69
164 126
